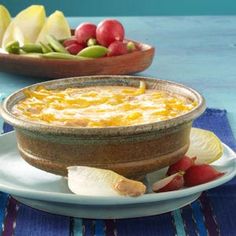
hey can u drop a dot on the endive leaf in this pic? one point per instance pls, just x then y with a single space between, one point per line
55 25
90 181
26 25
5 19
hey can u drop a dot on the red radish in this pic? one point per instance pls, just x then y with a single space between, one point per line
117 48
70 41
170 183
84 32
109 31
74 48
182 165
200 174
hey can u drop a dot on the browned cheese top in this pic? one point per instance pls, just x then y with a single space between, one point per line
101 106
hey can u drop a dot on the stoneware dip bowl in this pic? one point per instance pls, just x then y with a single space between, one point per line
132 151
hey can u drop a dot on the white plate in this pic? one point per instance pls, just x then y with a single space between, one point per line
49 192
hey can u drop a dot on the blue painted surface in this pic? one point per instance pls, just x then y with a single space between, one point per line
196 51
130 7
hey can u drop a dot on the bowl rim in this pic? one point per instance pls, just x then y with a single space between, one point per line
102 131
144 47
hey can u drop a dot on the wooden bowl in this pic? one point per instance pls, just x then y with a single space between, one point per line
57 68
132 151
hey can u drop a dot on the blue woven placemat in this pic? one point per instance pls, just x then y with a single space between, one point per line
213 214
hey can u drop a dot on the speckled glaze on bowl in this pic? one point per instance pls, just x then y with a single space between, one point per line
131 151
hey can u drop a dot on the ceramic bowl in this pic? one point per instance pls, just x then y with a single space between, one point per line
132 151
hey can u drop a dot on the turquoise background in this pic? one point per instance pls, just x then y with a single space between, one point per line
129 7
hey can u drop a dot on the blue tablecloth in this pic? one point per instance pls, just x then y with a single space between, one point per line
212 214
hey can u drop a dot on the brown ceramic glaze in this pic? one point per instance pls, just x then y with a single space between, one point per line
131 151
57 68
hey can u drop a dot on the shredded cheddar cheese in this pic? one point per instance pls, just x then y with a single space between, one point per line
101 106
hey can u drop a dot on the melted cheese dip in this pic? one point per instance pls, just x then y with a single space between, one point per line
101 106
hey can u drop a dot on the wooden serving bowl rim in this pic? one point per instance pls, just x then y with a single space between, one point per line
129 63
142 46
